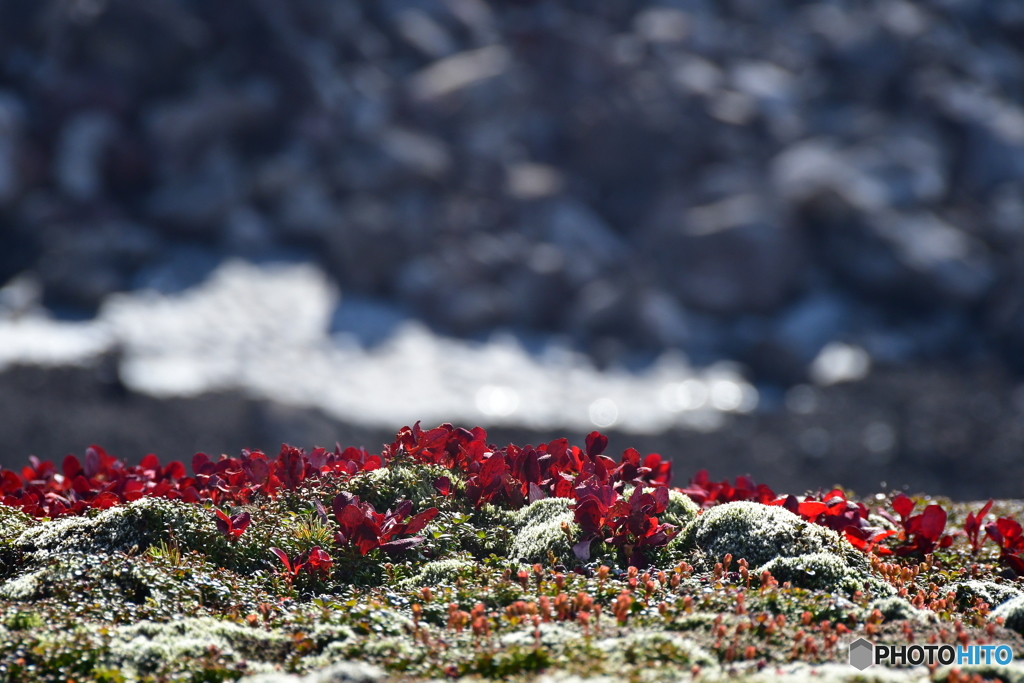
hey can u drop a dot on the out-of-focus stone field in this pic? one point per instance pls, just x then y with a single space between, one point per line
788 185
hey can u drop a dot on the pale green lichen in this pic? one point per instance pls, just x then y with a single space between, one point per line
539 531
552 635
757 533
126 528
823 571
147 646
24 587
341 672
658 646
441 572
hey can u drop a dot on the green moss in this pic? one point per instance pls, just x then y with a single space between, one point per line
12 523
384 487
538 531
758 533
681 509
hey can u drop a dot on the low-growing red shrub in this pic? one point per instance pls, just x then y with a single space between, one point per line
512 476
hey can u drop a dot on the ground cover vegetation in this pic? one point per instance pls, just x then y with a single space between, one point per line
446 556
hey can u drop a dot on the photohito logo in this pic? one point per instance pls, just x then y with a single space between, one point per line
864 653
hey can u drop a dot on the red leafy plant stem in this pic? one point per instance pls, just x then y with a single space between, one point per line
234 526
922 533
366 529
1008 536
315 561
319 561
291 570
972 527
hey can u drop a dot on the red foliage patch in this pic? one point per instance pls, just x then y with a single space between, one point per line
512 476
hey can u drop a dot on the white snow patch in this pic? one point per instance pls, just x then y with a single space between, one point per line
265 330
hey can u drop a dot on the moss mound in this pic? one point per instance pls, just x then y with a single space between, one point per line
824 571
539 531
759 534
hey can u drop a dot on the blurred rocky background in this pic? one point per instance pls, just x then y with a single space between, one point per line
810 189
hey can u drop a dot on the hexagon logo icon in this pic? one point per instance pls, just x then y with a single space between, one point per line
862 654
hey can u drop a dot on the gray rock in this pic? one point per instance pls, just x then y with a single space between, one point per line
730 256
11 131
917 254
83 141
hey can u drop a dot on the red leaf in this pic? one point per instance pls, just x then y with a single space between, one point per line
1009 531
494 466
105 500
319 560
536 493
809 509
421 520
351 517
72 468
933 522
174 470
283 556
199 461
596 443
631 456
443 485
9 481
223 521
1015 563
903 505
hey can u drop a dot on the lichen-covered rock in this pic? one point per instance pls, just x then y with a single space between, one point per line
824 571
539 531
1012 612
758 533
894 608
993 593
